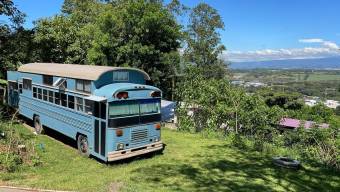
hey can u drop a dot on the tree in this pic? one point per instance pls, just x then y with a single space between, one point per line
7 8
203 42
16 45
135 33
218 106
64 38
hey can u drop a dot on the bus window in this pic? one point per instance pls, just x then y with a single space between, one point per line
39 93
83 85
13 85
45 95
20 87
34 92
123 108
89 106
103 110
50 96
79 104
149 107
71 102
57 98
63 98
27 84
48 80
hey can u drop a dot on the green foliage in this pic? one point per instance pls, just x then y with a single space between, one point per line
218 106
16 44
135 33
203 42
16 148
284 100
8 8
16 47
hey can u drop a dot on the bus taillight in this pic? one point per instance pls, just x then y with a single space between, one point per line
123 95
156 94
158 126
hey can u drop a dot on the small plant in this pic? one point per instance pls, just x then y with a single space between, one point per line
16 150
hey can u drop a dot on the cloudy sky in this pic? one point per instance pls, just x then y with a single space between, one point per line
255 29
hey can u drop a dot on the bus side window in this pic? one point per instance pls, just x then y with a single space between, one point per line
20 87
57 98
103 110
99 110
13 86
45 95
34 92
63 98
71 102
79 104
27 83
50 96
89 106
39 93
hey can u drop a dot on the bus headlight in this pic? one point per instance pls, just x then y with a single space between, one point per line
120 146
156 139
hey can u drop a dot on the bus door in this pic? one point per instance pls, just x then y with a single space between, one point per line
13 94
100 128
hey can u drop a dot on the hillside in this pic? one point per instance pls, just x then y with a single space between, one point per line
317 63
189 163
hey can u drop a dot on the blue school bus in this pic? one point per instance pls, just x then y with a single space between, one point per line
110 111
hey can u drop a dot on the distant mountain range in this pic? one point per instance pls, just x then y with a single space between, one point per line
317 63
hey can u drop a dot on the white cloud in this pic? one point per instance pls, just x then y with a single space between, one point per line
326 49
310 40
330 45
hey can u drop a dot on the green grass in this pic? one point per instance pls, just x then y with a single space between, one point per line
189 163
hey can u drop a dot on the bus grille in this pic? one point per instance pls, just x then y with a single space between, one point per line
139 136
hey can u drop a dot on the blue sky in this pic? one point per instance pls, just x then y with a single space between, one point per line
254 29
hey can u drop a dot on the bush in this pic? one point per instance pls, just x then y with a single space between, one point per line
16 149
10 162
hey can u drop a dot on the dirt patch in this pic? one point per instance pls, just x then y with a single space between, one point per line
115 187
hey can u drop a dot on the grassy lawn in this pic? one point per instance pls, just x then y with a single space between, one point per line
189 163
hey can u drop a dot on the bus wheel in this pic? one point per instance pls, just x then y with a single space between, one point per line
37 125
83 145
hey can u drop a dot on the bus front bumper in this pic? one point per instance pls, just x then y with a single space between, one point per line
123 154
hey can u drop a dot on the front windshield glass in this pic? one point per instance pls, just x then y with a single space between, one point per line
134 107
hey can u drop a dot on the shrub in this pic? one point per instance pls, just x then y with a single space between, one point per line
16 149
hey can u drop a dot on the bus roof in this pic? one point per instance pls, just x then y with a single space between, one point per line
87 72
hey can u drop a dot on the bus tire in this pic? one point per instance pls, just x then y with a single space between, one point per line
37 125
83 145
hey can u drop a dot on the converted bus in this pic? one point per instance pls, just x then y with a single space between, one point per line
110 111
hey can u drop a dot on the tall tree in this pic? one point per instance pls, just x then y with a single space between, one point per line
8 8
16 44
136 33
203 40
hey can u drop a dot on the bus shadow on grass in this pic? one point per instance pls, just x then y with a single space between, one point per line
243 170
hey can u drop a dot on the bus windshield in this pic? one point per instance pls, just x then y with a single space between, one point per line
134 107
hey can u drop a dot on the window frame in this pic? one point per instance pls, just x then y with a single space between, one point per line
27 83
83 85
48 80
116 76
